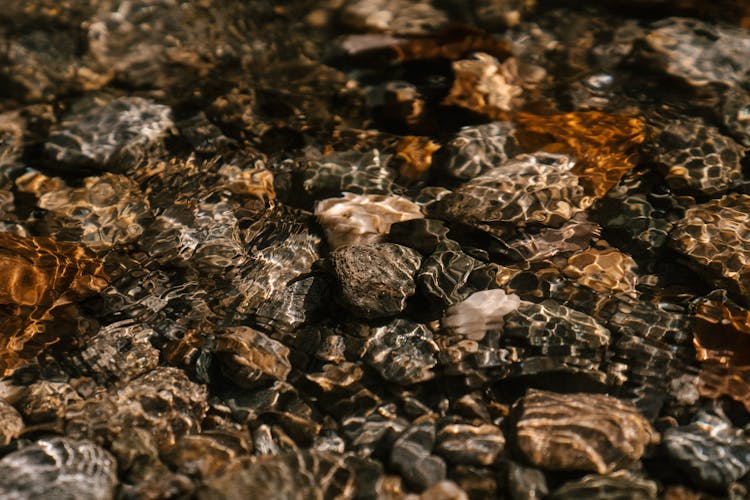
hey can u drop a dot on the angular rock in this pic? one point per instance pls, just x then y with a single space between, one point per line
710 451
362 219
377 279
251 358
402 352
470 444
480 312
411 457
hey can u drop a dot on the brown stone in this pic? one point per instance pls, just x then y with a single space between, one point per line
582 432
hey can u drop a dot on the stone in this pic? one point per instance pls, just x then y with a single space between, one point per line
470 444
480 312
580 432
710 451
250 358
412 457
362 219
109 135
377 279
59 467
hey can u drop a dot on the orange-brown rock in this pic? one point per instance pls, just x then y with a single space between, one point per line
582 432
715 236
722 333
485 85
40 281
716 381
605 146
604 270
416 154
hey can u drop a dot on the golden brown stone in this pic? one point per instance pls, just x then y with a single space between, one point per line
40 280
584 432
416 154
604 270
605 146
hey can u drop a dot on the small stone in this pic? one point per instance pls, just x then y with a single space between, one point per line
605 270
59 468
119 351
411 457
620 484
362 219
110 209
354 172
710 451
486 86
402 352
696 52
11 423
250 358
109 135
46 401
714 236
423 235
584 432
43 278
164 400
698 159
377 279
476 149
470 444
444 490
449 275
400 17
480 312
307 474
528 189
526 483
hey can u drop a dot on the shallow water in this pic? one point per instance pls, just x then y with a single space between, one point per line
374 248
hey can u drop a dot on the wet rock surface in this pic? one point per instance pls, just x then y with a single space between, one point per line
61 468
608 434
374 249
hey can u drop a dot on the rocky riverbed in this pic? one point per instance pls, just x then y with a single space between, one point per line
374 249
